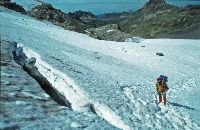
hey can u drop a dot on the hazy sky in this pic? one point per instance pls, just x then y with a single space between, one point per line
107 6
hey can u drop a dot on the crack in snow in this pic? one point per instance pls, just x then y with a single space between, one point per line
73 92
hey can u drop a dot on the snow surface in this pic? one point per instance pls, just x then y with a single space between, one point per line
110 31
118 78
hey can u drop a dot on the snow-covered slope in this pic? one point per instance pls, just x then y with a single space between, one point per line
118 79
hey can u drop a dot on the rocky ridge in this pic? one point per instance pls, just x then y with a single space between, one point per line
13 6
77 21
56 16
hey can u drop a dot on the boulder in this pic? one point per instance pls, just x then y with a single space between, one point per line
30 63
160 54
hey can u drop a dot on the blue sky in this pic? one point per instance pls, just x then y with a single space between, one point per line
108 6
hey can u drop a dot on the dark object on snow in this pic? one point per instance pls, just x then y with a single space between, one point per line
12 127
46 86
162 88
92 108
160 54
143 46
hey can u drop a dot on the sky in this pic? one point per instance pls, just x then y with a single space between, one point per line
108 6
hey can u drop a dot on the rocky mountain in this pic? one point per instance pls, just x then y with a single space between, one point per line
77 21
157 19
56 16
13 6
90 20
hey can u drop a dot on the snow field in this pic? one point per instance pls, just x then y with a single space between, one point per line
117 78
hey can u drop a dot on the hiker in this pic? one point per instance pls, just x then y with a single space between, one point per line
162 88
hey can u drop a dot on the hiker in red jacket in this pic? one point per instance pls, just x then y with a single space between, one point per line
161 88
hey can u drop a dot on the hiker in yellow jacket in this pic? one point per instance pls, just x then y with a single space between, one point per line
161 88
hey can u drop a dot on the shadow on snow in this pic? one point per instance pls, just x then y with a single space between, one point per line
179 105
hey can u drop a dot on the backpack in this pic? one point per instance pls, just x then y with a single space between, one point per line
161 86
163 77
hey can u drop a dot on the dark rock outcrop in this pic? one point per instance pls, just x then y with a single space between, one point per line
77 21
56 16
12 6
159 54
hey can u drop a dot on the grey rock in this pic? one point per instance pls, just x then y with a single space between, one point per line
30 63
160 54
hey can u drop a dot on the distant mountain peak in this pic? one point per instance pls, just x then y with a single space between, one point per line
153 6
155 3
78 14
